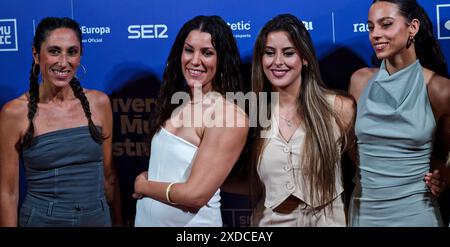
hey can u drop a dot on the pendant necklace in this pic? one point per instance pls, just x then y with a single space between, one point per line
289 122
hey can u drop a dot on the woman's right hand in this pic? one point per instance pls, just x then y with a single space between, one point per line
434 182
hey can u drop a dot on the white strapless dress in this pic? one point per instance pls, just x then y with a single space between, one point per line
171 161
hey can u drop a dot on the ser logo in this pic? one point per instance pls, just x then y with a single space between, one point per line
156 31
8 35
443 21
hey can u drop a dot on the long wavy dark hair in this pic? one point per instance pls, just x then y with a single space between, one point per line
227 78
43 30
321 150
427 48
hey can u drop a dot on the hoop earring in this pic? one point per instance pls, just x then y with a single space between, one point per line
34 71
84 72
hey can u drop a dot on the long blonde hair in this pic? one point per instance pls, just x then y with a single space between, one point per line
322 152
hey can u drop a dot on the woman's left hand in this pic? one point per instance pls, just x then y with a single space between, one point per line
140 179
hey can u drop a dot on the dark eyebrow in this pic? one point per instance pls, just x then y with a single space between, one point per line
208 48
203 48
59 48
381 19
54 47
283 49
186 43
288 48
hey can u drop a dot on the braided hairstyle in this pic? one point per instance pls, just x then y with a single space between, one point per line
426 45
78 91
43 30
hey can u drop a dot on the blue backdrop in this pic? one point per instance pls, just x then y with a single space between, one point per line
126 44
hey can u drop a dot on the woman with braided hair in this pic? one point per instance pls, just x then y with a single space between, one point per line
63 133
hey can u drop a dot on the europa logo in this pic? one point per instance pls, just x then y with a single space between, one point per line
8 35
443 21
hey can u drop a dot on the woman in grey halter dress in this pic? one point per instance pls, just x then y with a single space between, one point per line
63 133
402 123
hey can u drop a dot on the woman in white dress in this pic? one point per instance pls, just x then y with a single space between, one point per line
197 135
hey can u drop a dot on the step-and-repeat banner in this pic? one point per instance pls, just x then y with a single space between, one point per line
126 44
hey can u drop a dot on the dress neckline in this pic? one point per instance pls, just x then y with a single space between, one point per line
59 131
179 138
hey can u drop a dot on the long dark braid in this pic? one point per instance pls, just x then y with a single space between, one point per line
32 104
78 92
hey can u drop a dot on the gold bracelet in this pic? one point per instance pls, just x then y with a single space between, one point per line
168 192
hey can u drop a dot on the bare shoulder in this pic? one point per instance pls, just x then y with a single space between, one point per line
100 107
359 81
345 108
97 98
363 75
439 92
16 108
14 113
236 108
238 117
224 113
229 126
226 125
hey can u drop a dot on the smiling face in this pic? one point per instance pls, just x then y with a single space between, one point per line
199 60
389 31
59 57
281 61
